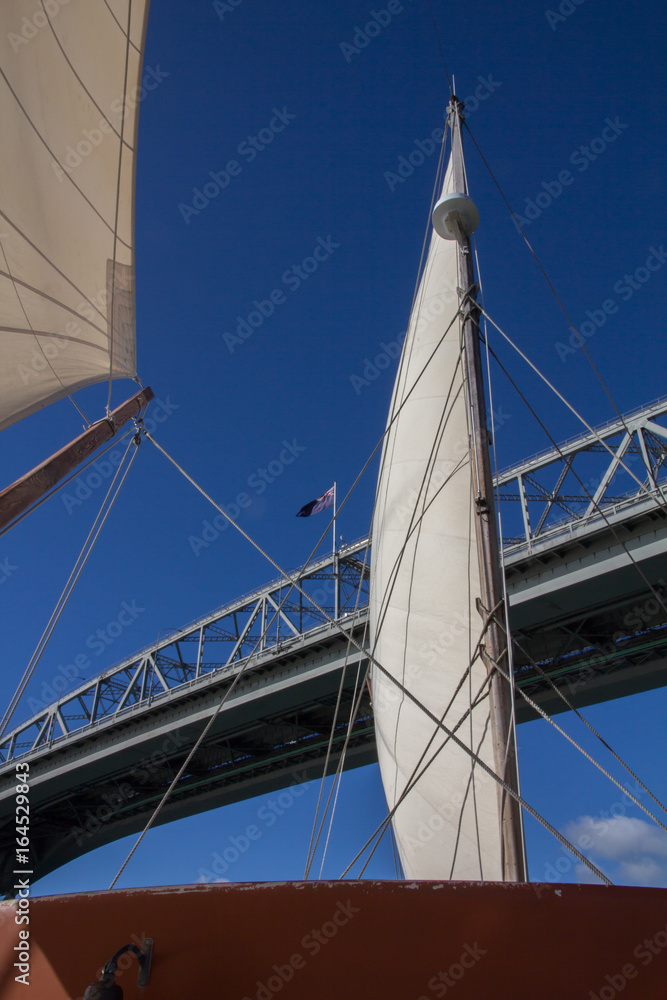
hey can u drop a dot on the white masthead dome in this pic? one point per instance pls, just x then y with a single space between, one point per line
452 212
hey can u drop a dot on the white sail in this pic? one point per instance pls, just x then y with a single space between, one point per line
69 91
424 588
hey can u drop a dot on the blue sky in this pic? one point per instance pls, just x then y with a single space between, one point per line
318 125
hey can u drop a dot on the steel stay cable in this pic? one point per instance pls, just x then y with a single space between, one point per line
200 738
283 573
547 279
315 837
414 777
246 666
248 663
312 850
64 482
412 785
632 559
404 358
182 768
390 424
316 831
415 526
473 658
69 585
341 762
355 709
310 854
423 487
471 784
295 584
380 667
585 721
417 774
415 522
382 827
511 733
425 482
398 867
581 750
310 857
600 510
563 400
442 54
503 784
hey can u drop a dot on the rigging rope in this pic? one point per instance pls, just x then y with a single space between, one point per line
402 363
310 855
563 400
416 775
64 482
182 768
245 667
442 54
31 328
503 784
341 763
415 526
581 750
548 280
585 721
312 847
599 509
81 561
511 735
506 627
412 526
289 579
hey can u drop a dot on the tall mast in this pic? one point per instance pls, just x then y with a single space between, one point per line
460 218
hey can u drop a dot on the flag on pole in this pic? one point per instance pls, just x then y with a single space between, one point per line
315 506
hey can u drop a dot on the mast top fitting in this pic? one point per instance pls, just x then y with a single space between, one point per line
455 216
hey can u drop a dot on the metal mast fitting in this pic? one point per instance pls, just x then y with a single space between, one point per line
455 217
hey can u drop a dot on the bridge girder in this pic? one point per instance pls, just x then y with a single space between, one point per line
103 755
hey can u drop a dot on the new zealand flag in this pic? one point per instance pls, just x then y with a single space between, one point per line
315 506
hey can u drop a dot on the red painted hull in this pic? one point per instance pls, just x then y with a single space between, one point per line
384 940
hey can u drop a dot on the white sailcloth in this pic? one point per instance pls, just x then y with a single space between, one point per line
69 92
424 585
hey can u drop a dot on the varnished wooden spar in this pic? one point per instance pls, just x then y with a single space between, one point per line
29 488
488 545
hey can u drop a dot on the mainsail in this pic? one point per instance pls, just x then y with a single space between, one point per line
426 594
69 92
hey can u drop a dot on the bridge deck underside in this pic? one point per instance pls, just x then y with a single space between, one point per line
103 786
583 611
590 618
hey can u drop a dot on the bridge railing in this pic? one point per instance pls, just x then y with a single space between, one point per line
599 474
264 620
255 628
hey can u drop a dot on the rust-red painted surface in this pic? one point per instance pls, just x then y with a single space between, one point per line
320 941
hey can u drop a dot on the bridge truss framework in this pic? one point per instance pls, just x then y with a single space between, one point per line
103 755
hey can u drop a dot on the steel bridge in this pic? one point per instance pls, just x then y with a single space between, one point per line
581 585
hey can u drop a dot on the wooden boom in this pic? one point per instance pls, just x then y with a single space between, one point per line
29 488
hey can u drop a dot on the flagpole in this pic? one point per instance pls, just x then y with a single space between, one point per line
333 564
